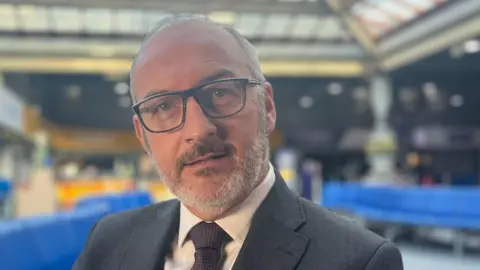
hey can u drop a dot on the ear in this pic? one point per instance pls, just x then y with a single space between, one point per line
271 113
141 134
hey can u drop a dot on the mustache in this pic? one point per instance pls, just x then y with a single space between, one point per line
204 147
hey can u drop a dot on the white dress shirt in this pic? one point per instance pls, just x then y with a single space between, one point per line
236 224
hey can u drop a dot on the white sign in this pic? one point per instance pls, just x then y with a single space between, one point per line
11 111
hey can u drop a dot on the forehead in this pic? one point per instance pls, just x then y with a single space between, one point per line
184 55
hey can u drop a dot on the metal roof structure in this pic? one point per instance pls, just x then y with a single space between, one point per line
293 37
380 18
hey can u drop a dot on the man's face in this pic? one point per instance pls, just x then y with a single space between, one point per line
206 163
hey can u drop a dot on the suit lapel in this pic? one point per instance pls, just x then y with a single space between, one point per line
151 241
273 241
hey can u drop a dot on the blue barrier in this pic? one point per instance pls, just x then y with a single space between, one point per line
117 202
16 249
438 207
5 187
54 242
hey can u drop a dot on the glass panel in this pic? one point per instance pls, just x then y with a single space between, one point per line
152 18
330 29
382 16
66 19
397 11
422 5
129 21
33 18
249 23
371 14
303 27
7 17
276 25
98 20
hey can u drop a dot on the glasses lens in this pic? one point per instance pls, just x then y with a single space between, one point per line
162 113
222 98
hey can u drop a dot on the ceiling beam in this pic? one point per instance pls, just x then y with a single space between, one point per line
342 5
121 66
433 44
101 47
190 6
437 22
361 35
117 36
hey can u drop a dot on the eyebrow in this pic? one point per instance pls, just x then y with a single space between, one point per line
219 74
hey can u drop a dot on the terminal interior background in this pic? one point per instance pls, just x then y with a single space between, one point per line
378 95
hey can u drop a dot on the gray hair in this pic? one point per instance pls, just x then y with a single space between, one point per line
253 61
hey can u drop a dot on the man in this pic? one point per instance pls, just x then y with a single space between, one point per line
203 112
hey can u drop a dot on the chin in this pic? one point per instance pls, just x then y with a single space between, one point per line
211 192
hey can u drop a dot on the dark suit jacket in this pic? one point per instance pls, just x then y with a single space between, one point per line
287 232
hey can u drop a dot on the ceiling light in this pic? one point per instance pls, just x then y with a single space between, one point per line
121 88
456 101
305 102
472 46
73 91
360 93
456 51
223 17
430 89
335 89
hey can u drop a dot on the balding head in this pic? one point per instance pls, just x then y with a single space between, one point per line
251 57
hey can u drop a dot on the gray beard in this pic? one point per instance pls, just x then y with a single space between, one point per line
241 181
238 185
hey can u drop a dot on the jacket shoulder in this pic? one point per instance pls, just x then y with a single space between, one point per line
122 223
112 231
343 241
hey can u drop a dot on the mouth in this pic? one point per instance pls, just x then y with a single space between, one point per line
211 156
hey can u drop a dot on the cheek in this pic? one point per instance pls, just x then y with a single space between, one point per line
163 154
242 129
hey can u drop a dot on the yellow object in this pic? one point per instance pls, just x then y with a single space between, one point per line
287 174
68 193
341 68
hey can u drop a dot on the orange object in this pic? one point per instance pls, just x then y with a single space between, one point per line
68 193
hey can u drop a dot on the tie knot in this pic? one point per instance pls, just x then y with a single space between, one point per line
208 235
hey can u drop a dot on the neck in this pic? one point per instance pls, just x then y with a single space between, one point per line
215 213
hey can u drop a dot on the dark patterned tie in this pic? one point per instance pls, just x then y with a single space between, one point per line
208 239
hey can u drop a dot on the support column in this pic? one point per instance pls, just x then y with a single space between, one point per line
382 145
38 195
287 162
7 165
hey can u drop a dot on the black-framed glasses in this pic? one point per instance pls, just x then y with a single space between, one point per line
218 99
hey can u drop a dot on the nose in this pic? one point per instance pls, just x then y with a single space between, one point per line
197 125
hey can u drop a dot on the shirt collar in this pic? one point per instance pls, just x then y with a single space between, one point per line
237 221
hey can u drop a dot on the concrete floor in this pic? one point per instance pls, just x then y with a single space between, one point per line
430 258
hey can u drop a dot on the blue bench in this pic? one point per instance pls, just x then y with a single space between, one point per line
454 208
54 242
438 207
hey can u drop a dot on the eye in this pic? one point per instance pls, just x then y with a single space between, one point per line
164 106
161 105
219 93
